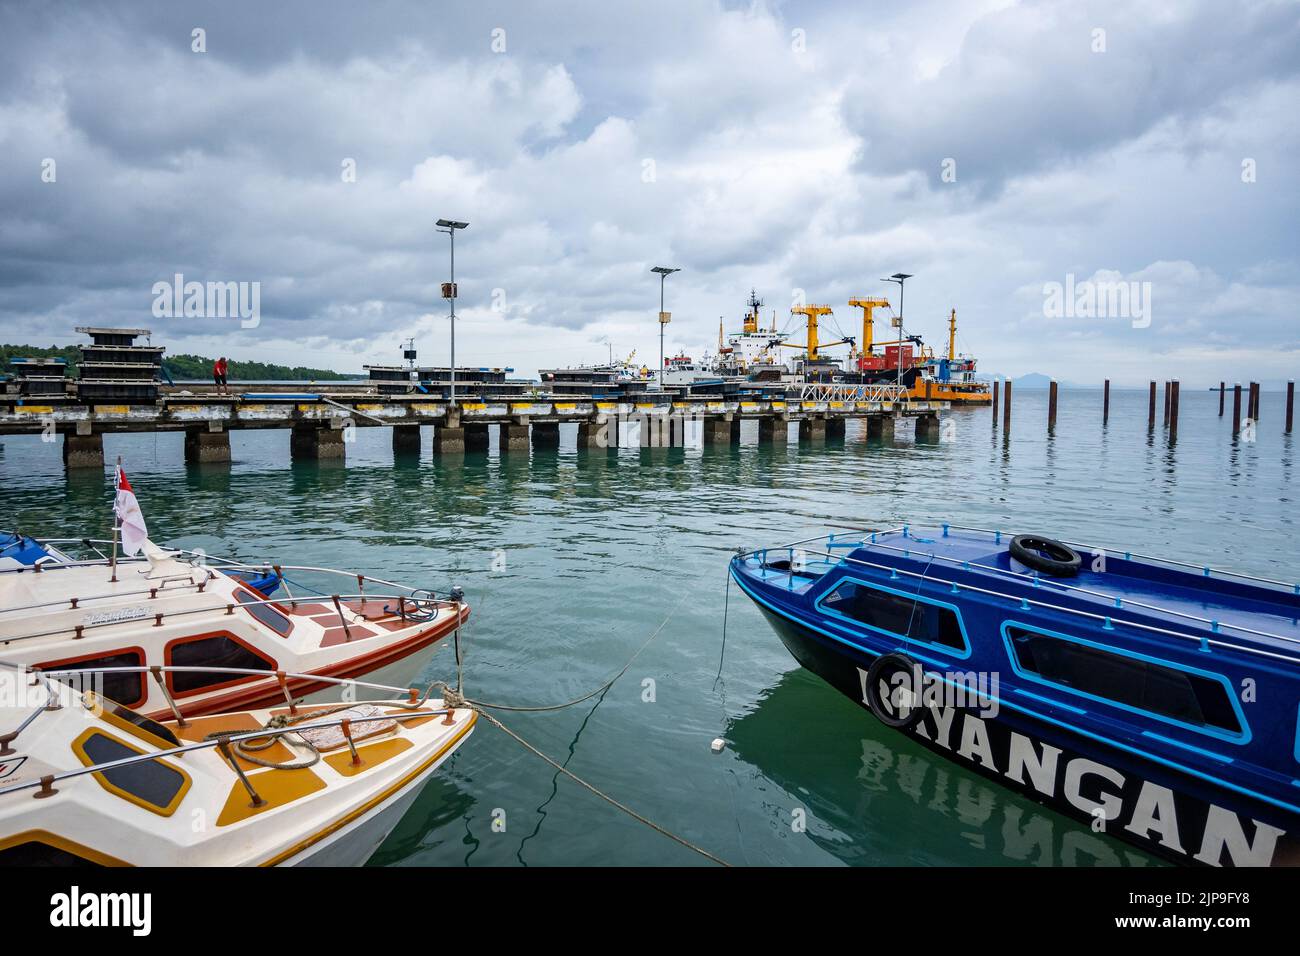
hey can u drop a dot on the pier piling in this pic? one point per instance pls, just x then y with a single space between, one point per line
1006 409
1105 403
1166 418
1236 409
312 442
448 440
1173 410
406 439
514 437
1051 406
476 436
1151 408
927 428
1290 404
774 430
546 434
83 451
994 405
812 429
205 446
1253 410
1221 395
597 433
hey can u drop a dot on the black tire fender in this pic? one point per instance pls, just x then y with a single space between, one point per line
889 676
1047 555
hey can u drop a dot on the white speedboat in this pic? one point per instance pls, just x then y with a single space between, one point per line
86 781
131 620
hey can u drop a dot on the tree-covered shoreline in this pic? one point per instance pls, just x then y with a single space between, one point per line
186 366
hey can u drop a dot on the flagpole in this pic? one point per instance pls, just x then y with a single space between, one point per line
117 522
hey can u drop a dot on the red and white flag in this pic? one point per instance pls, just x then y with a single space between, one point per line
127 509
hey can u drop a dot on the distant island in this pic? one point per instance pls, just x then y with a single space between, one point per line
185 366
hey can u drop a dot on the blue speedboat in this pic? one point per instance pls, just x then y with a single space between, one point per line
1152 699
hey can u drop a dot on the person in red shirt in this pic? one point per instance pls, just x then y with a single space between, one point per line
219 376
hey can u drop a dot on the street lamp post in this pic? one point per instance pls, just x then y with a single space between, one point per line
664 272
899 278
449 226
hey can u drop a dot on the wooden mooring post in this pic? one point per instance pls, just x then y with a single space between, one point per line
1105 402
1006 409
1236 409
1151 409
1290 405
1221 393
1173 410
996 383
1253 407
1166 421
1051 406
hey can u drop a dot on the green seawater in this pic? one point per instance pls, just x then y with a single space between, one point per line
570 560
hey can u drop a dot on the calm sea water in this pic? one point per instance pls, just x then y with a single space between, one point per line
571 560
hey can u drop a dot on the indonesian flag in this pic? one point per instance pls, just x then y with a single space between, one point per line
127 509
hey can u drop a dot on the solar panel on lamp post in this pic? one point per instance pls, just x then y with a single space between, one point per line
449 226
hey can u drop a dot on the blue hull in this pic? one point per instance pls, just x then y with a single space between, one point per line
1194 795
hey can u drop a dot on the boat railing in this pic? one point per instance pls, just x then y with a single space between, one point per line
407 698
408 609
1025 602
1033 579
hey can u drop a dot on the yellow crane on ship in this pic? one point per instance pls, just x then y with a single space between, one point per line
813 313
868 322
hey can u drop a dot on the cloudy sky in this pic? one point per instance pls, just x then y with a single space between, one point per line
990 148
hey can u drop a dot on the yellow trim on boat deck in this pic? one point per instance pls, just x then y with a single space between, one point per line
276 787
374 801
79 748
371 755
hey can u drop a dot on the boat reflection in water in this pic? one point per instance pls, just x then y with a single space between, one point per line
849 782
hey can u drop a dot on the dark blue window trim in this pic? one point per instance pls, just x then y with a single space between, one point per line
1244 737
962 654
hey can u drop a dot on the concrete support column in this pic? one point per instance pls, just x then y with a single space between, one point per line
835 427
83 451
476 436
311 442
406 439
881 428
513 438
600 433
774 429
927 428
722 430
812 429
448 440
546 434
656 432
203 446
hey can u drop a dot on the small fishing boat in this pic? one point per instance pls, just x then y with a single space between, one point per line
86 781
1153 699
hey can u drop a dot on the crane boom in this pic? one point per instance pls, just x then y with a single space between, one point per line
867 305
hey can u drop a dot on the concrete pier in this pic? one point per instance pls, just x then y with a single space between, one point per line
203 446
513 437
597 433
927 428
775 430
476 436
812 429
881 428
722 430
406 439
546 434
83 451
449 440
312 442
835 427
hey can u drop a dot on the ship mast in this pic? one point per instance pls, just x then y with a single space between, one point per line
952 336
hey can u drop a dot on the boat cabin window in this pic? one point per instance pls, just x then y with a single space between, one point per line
265 613
1176 695
897 614
216 650
127 689
152 784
